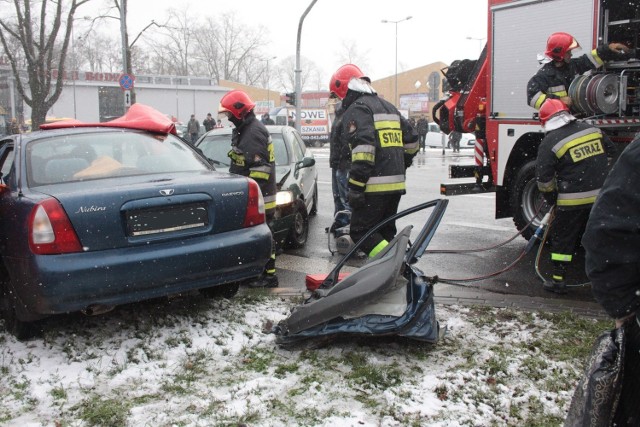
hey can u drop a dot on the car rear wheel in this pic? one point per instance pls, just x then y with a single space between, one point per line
228 290
20 329
300 229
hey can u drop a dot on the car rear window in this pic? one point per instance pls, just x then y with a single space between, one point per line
91 156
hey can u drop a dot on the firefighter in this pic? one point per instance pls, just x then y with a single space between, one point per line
571 166
553 79
612 247
383 144
252 155
340 162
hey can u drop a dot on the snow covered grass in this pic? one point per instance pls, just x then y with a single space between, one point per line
197 362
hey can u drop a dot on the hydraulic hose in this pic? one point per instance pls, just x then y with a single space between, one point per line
489 248
536 236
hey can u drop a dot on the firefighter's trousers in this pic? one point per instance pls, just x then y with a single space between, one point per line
376 209
270 268
566 231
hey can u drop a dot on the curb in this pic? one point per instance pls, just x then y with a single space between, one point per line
470 297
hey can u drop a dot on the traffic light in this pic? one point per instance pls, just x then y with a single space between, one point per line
291 98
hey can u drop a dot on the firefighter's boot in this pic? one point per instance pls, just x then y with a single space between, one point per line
264 281
555 286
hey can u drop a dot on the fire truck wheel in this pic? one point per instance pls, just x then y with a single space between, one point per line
526 200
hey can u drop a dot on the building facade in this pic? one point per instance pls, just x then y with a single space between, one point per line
93 97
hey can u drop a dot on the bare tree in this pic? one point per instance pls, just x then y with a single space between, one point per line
230 50
38 38
98 53
177 41
349 53
286 73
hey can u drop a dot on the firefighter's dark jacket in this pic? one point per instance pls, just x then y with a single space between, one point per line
382 142
252 155
573 160
553 82
339 151
612 237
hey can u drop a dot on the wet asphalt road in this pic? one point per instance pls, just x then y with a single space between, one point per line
468 223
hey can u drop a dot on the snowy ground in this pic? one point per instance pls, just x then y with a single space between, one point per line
198 362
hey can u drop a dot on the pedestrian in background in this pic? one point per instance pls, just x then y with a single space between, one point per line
13 127
454 140
571 166
252 155
208 123
267 120
193 128
218 124
383 145
422 127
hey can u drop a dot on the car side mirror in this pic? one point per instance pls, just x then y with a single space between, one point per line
305 163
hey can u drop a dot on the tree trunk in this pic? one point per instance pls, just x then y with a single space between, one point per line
38 115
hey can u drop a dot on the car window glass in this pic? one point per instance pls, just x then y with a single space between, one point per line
298 147
90 156
280 150
216 147
7 162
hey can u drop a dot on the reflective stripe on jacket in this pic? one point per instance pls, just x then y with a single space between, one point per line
252 155
381 140
572 160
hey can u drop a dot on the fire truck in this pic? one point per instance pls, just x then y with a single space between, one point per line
487 96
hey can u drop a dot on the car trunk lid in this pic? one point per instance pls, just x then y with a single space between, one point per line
115 213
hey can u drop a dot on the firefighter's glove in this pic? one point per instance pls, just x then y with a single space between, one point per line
550 198
618 48
356 199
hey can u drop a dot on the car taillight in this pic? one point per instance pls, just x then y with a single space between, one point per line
255 206
50 231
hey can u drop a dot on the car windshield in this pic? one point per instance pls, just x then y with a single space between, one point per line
91 156
216 147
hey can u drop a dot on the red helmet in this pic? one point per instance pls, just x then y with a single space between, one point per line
550 108
560 43
340 79
237 103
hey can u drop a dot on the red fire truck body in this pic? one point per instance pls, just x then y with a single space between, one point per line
488 96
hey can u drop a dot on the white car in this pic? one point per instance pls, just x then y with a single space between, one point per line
435 138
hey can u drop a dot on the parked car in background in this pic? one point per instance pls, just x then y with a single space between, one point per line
296 177
435 138
97 216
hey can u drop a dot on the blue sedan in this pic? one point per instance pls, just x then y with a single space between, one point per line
94 217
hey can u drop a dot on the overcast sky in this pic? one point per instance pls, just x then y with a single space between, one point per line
437 31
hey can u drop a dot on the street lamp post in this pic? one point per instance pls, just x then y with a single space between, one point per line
385 21
479 40
298 69
268 82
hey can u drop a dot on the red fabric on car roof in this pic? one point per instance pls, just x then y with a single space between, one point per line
139 116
